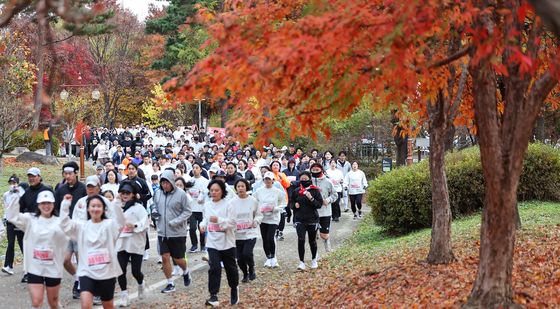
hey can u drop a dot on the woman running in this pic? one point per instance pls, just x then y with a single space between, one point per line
219 221
307 201
98 266
132 240
355 181
248 219
44 246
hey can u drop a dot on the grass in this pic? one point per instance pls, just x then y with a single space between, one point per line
370 239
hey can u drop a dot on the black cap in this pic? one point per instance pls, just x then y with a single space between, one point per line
13 178
220 173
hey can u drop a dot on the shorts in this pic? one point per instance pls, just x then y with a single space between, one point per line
324 225
105 289
72 246
175 246
49 282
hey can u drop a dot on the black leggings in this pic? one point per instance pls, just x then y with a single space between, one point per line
194 221
335 206
269 244
245 258
355 200
215 272
136 265
282 222
12 234
311 230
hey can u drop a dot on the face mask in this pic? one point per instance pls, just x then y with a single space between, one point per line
305 183
317 174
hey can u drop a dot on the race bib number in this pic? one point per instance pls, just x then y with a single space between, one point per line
214 227
267 208
43 256
194 193
355 186
127 231
291 178
98 258
335 182
244 225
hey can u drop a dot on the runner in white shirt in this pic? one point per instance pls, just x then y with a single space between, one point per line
44 246
355 181
98 266
199 193
337 178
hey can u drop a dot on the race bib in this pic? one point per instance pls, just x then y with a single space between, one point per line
98 258
291 178
267 208
355 186
335 182
244 225
194 193
44 256
127 231
214 227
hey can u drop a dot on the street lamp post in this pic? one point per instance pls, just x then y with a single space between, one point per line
200 112
95 95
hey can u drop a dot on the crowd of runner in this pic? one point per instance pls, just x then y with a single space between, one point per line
185 184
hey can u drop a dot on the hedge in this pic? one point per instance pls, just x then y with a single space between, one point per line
401 199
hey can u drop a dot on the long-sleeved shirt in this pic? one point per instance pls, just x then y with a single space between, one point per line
221 235
355 182
248 217
271 203
44 242
336 177
199 193
133 240
96 243
328 194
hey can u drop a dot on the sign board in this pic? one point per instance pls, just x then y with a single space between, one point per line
422 142
386 165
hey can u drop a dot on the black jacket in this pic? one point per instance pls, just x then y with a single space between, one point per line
28 202
232 179
294 172
145 194
77 191
307 212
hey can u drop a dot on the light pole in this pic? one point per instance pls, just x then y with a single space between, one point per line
95 95
200 112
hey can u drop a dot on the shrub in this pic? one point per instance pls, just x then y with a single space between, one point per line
33 141
401 199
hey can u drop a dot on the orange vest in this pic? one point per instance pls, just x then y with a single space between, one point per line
46 134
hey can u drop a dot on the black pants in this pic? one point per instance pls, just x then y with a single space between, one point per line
194 221
311 230
355 200
269 244
12 234
215 272
136 265
282 222
245 258
335 206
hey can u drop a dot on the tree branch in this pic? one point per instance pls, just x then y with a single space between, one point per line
459 54
58 41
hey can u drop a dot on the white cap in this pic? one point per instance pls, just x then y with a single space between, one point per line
34 171
92 180
269 175
45 196
121 167
284 148
213 169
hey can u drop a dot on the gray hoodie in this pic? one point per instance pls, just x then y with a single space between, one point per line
175 208
327 192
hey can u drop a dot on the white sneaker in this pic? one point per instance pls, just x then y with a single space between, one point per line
176 271
328 245
125 302
160 260
8 270
141 290
268 263
146 255
301 266
274 263
314 264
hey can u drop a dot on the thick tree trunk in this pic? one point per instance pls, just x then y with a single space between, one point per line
38 103
449 138
402 147
441 251
224 110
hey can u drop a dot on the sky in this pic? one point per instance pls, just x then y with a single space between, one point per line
140 7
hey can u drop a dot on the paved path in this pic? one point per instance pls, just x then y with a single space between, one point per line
14 294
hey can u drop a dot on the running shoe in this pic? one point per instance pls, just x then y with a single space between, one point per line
355 217
97 300
268 263
146 255
125 302
359 214
75 290
328 245
24 278
280 235
346 210
245 278
193 249
203 249
212 301
159 261
314 264
8 270
234 296
301 266
170 287
274 263
142 290
187 278
252 275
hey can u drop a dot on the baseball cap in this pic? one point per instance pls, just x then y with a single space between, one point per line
45 196
34 171
99 167
126 187
284 148
269 175
14 178
219 173
92 180
167 156
121 167
213 169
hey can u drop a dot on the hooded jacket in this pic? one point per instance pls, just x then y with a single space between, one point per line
175 208
327 192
